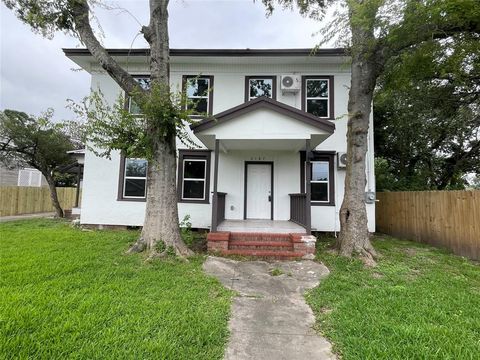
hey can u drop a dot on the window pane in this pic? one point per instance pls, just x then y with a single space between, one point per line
136 167
193 189
199 105
319 191
144 82
197 87
135 187
261 87
318 107
133 108
194 169
319 171
317 88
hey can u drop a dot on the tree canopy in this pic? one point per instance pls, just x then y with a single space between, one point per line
38 142
427 116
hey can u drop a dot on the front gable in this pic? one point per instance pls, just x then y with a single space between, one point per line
273 124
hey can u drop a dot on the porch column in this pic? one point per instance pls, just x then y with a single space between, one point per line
215 183
308 190
77 194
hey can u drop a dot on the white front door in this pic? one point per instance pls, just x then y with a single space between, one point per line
259 191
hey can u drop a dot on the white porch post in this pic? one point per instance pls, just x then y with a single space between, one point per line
308 190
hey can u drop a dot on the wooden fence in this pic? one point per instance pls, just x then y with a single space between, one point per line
449 219
17 200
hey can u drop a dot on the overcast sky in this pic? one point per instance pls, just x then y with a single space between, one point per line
35 74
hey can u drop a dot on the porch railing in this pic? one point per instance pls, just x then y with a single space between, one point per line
298 209
220 207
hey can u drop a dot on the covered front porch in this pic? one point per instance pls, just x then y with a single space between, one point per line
257 169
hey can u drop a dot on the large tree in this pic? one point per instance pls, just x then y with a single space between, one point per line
377 31
37 142
427 116
161 121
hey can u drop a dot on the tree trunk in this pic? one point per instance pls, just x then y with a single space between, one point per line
161 219
354 235
53 194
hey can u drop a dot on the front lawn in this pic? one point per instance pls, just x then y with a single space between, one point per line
67 293
418 303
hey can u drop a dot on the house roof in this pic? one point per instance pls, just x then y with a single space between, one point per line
217 52
264 103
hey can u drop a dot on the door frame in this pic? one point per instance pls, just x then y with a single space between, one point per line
245 185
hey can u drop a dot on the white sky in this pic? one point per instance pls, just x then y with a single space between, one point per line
35 74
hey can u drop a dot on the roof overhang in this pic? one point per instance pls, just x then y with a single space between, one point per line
263 124
85 60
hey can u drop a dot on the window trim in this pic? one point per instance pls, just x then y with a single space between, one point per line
325 156
204 179
247 85
121 184
331 94
210 91
193 154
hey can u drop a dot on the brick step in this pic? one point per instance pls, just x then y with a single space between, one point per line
260 237
276 254
260 245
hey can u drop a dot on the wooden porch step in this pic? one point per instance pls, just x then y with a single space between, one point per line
260 245
275 254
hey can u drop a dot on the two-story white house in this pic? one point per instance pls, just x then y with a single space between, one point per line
268 156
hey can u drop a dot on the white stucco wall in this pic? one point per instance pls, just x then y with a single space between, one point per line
99 197
231 170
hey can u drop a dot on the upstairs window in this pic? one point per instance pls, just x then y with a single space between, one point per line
318 96
134 179
144 82
199 93
256 86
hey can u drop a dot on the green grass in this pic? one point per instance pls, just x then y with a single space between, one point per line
71 294
418 303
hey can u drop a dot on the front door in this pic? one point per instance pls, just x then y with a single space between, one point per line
258 189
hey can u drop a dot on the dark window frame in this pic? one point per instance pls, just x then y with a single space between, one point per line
247 85
194 155
331 93
121 183
320 156
210 91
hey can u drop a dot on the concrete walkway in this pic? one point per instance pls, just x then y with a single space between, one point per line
270 319
26 216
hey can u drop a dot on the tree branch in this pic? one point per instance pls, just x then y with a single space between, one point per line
84 29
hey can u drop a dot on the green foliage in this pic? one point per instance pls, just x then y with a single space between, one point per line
72 294
276 272
427 115
36 141
65 179
112 127
186 231
44 16
417 303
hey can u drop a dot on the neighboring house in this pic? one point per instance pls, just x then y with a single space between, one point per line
21 176
276 138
